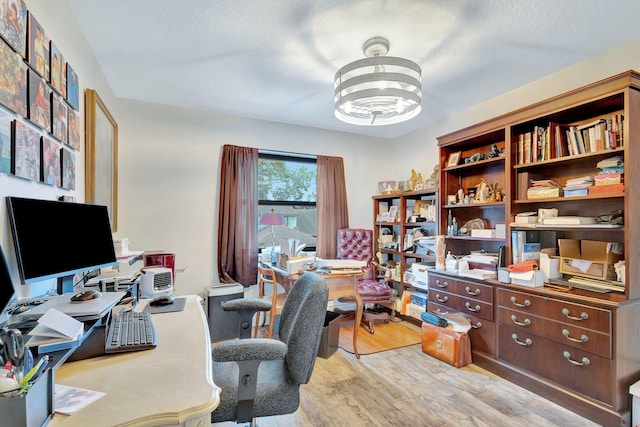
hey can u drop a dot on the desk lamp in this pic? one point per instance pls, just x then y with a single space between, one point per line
272 219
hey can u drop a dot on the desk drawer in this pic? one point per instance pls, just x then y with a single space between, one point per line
469 306
477 291
579 315
579 371
562 333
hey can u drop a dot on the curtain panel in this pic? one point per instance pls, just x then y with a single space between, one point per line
331 205
237 230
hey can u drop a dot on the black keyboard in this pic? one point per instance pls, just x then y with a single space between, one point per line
130 331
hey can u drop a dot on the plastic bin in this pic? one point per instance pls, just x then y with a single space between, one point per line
223 325
33 409
330 335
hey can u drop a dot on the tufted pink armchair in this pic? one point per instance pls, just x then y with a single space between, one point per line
373 288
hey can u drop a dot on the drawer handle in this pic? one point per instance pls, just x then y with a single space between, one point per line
584 362
472 293
583 315
526 303
583 337
526 343
477 325
441 285
441 312
442 299
468 305
526 322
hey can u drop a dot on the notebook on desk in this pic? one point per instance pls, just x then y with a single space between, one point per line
86 310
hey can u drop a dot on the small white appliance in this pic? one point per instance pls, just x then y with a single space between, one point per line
155 281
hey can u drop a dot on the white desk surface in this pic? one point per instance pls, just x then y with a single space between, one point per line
168 385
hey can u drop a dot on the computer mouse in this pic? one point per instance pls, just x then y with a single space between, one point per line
162 300
88 295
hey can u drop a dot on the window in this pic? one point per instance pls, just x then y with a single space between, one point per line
287 185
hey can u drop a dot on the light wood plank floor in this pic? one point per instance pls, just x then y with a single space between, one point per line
405 387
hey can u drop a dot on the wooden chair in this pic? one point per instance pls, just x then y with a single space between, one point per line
266 276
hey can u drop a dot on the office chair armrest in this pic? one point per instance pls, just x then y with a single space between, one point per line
250 304
249 349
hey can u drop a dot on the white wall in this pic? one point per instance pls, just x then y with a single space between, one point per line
169 158
169 161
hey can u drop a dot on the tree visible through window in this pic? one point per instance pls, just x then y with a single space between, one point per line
287 185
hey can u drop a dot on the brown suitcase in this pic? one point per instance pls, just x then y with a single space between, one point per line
447 345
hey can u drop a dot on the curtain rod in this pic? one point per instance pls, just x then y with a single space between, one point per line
285 153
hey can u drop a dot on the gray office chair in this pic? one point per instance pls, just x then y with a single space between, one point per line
261 377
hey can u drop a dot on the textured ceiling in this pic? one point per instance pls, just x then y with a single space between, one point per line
276 59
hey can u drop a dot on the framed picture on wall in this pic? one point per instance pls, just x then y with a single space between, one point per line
38 55
39 101
68 169
13 73
6 120
60 118
51 162
58 77
26 151
13 25
101 156
73 90
73 138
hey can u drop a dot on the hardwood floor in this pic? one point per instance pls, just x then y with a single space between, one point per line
405 387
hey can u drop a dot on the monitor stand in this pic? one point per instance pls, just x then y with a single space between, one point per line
65 284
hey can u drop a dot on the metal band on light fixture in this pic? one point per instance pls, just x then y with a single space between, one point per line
379 89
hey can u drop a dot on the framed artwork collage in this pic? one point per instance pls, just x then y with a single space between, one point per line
39 102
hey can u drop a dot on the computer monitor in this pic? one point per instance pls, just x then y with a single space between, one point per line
6 284
55 240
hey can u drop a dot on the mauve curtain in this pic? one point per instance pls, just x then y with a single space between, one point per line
331 204
237 230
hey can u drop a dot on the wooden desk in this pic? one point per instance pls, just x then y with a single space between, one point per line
171 384
340 285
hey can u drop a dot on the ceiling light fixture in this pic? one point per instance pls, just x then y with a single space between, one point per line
378 90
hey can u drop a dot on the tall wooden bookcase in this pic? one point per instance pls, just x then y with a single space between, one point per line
398 227
579 348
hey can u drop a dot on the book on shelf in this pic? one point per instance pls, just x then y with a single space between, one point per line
527 147
559 141
544 183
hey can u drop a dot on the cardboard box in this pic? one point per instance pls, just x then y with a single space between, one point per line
420 274
420 299
530 279
550 266
483 232
589 258
544 192
606 189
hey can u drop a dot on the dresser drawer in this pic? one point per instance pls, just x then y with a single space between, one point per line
579 315
441 282
469 306
477 291
482 333
562 333
580 371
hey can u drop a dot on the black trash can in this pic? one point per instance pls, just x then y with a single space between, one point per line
330 335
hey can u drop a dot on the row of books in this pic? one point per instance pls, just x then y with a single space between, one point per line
559 140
